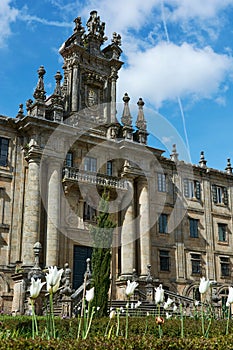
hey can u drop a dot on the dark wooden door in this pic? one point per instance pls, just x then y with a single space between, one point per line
81 253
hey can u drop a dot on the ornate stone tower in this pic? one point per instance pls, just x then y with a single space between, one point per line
90 73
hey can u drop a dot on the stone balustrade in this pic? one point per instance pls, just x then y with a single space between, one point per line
75 174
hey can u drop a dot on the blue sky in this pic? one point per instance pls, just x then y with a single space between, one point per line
177 54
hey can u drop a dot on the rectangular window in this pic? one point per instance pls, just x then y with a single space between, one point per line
164 260
225 266
222 232
90 164
69 159
89 213
193 227
192 189
163 223
196 263
162 187
220 194
4 144
109 168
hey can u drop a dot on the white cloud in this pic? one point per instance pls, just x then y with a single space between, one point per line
8 15
167 71
28 18
186 9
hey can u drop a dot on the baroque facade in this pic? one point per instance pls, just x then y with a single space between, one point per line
173 219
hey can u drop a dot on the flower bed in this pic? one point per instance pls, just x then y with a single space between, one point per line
143 333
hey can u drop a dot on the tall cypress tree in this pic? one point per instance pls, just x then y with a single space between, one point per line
102 235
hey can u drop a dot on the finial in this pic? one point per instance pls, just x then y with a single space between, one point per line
174 155
39 93
37 250
126 116
29 103
228 167
78 26
20 111
95 27
58 78
202 161
116 39
141 122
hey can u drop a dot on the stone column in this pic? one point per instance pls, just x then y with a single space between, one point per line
53 212
74 104
144 227
128 238
113 94
32 208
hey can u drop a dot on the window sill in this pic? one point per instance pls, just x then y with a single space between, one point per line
221 205
6 172
193 199
166 271
223 243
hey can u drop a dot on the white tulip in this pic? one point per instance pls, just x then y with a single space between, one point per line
53 279
138 304
204 285
159 294
90 294
131 286
168 315
112 314
168 303
230 296
174 308
35 287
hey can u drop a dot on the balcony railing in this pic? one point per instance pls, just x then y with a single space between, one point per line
78 175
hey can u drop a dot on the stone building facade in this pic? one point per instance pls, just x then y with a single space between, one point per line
173 219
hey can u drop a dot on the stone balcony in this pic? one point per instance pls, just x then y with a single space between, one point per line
82 176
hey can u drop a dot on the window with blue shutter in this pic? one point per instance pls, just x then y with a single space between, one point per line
69 159
192 189
109 168
220 194
4 144
198 189
214 193
164 260
222 232
186 188
163 223
225 196
193 227
196 264
225 266
90 164
162 186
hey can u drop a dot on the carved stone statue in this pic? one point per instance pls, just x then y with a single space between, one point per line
116 39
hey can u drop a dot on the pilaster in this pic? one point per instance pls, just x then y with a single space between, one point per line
144 227
128 239
53 212
32 206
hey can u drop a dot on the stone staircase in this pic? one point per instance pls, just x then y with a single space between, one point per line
143 309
